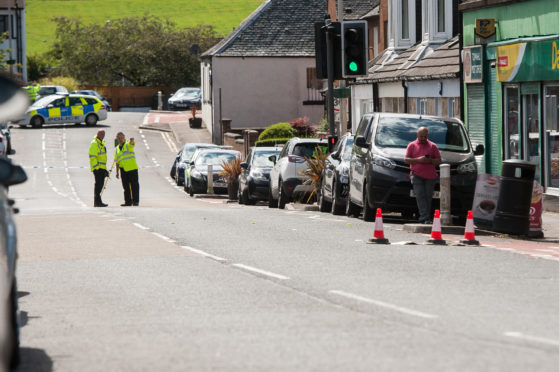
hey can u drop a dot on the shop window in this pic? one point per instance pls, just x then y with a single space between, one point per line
511 124
551 112
451 103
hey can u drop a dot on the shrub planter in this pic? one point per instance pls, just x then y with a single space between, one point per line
233 190
195 122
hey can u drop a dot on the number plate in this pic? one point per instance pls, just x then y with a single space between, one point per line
436 194
220 184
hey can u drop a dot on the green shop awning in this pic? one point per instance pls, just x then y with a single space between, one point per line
528 59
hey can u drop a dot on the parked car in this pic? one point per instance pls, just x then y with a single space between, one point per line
64 108
254 181
199 170
47 90
335 177
379 178
9 318
184 98
183 158
286 178
93 93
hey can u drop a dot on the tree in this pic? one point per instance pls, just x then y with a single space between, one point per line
141 51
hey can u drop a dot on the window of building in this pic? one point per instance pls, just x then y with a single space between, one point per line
441 16
511 124
5 25
451 103
405 16
313 88
551 120
421 106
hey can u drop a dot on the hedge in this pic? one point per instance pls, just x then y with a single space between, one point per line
271 142
279 130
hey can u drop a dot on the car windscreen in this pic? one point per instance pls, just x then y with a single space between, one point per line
213 158
399 132
46 90
42 102
187 92
347 150
261 159
309 149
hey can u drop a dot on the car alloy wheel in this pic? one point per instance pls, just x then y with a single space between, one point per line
37 122
337 207
91 120
368 211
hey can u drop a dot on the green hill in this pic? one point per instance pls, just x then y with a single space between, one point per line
224 15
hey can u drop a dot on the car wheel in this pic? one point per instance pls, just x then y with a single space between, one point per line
178 180
272 203
91 120
282 198
323 205
240 194
14 328
191 191
37 122
368 211
337 207
352 209
247 199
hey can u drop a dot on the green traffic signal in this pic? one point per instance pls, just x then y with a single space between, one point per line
353 66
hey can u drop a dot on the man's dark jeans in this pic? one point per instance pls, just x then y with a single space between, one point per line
423 189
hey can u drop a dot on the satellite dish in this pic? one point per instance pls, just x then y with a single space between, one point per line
13 100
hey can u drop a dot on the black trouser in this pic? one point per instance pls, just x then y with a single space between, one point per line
131 186
99 175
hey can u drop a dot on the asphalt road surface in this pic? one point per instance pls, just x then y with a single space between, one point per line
199 284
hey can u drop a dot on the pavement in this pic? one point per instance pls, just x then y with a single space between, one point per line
176 122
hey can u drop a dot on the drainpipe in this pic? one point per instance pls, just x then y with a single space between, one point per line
405 86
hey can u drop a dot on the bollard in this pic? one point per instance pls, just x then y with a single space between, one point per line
446 217
210 179
159 101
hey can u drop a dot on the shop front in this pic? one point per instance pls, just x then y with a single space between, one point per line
528 69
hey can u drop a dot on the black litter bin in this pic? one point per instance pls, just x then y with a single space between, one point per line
515 196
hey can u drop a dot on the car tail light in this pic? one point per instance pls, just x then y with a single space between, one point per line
295 159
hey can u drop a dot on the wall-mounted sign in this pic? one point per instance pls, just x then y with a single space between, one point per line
473 64
485 27
528 61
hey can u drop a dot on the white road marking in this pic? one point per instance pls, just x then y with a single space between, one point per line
386 305
170 143
117 219
141 226
163 237
261 272
156 120
202 253
540 340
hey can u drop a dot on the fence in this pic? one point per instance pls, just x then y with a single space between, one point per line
131 96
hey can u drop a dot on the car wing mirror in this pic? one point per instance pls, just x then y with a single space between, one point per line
244 165
361 142
479 149
191 163
11 174
335 155
272 158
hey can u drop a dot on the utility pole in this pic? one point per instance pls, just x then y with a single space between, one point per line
10 36
330 69
343 121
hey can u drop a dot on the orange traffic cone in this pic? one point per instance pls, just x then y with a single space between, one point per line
436 231
378 235
469 233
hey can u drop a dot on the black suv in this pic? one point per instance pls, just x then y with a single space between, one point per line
379 178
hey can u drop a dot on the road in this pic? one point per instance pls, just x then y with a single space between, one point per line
183 283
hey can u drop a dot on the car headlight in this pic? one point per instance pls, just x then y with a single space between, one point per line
467 168
257 175
384 162
344 171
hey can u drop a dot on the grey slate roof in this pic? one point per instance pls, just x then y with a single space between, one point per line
419 62
278 28
359 8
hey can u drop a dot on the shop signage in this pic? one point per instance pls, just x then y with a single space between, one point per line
485 27
473 64
528 61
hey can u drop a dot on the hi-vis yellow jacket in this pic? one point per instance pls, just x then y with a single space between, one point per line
125 157
97 154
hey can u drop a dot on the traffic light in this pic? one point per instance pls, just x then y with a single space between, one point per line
332 140
355 45
321 53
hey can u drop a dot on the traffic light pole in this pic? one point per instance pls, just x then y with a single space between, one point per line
330 68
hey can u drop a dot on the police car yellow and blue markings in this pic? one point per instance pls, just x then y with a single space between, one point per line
67 112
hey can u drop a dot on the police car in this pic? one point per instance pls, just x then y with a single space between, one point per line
64 108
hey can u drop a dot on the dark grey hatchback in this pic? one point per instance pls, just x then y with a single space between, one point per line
379 178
